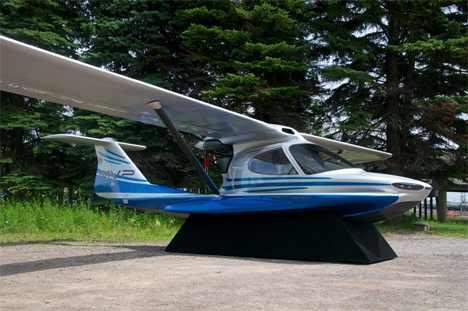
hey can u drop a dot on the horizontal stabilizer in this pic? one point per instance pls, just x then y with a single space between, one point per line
89 141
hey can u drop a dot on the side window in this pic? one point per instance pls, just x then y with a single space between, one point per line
272 163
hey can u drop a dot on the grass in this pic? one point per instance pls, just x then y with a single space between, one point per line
455 226
45 220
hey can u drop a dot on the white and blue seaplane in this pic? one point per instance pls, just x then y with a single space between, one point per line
266 168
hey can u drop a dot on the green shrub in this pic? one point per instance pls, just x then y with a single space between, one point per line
44 220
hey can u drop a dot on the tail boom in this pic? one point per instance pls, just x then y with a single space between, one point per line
118 178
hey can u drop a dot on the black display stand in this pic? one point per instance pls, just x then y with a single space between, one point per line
319 236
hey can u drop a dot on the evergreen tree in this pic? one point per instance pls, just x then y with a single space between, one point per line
139 39
396 73
257 56
27 169
399 70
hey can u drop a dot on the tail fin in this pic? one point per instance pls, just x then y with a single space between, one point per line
118 179
116 173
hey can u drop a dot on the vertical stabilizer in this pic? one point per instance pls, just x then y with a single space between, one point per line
116 173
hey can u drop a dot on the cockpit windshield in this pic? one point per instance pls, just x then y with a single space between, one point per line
314 159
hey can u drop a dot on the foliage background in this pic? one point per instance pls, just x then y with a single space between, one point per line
389 75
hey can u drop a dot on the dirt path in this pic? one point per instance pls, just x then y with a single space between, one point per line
429 274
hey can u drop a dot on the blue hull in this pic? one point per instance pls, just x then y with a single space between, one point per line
346 205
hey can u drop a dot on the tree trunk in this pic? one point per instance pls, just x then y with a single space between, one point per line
392 92
441 200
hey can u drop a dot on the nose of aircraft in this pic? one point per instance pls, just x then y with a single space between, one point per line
411 192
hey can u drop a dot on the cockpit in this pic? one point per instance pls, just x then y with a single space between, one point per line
311 159
282 162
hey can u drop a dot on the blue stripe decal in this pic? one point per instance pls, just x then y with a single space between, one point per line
275 178
112 162
112 158
307 184
118 155
277 189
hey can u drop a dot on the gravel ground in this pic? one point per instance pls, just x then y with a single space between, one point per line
429 274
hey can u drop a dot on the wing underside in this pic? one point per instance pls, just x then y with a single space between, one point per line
33 72
353 153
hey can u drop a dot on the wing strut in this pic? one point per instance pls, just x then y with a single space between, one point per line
156 105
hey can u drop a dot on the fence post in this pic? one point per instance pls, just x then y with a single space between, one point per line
425 209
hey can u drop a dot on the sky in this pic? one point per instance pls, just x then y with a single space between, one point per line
455 196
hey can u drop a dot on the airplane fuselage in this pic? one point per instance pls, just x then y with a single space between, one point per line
301 175
283 177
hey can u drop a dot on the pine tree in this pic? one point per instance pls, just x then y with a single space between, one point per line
55 26
397 73
257 55
139 39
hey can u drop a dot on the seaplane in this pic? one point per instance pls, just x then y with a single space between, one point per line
267 169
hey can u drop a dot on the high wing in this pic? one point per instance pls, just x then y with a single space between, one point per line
33 72
37 73
353 153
